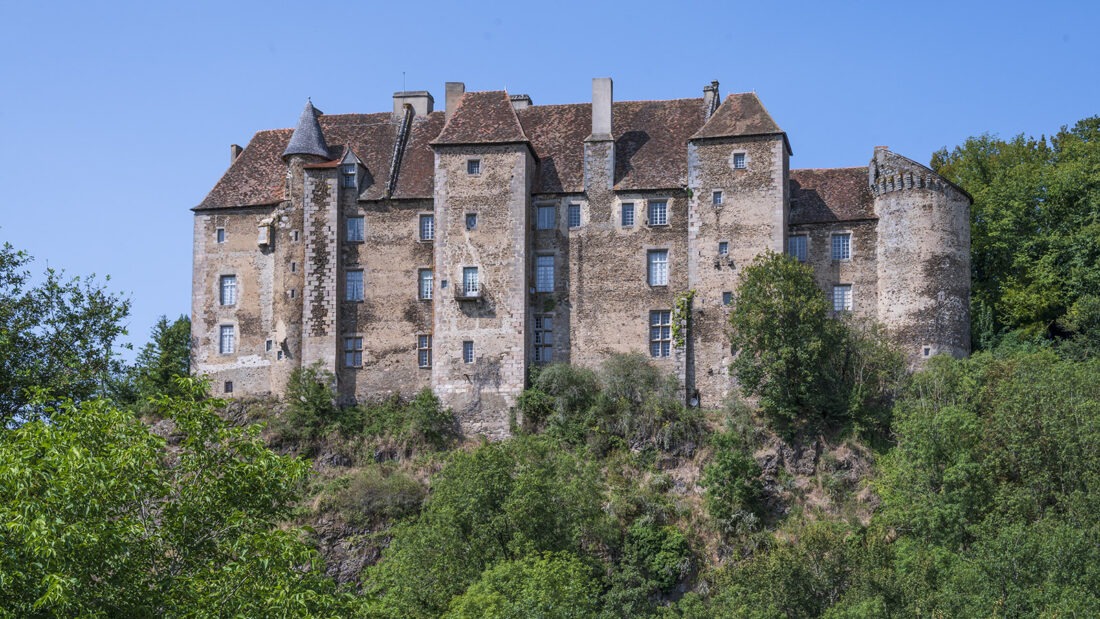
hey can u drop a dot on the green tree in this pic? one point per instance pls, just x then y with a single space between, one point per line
539 586
732 487
166 357
56 336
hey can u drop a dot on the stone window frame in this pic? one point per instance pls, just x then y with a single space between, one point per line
805 257
727 298
739 160
538 270
543 344
553 218
624 208
349 290
833 254
473 166
660 333
425 286
847 301
573 216
468 351
227 386
228 295
357 234
227 339
219 235
717 197
471 281
652 276
471 221
353 346
723 247
424 350
651 213
425 233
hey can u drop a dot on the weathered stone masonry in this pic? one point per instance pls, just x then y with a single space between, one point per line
580 224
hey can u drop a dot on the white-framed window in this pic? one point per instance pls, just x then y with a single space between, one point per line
268 345
657 267
219 234
349 171
227 341
797 247
544 338
544 274
660 333
473 166
424 350
545 216
723 248
355 230
574 216
471 221
467 351
353 285
424 280
842 246
227 290
842 298
739 161
658 213
627 215
427 227
471 287
353 352
727 298
716 198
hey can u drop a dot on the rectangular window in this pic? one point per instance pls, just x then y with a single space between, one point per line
723 248
544 339
544 274
293 267
427 227
355 229
574 215
220 233
228 290
657 272
228 386
473 166
842 246
349 170
716 198
353 290
424 280
353 352
467 352
660 333
628 215
470 285
658 213
294 236
796 247
727 298
739 161
545 218
226 340
842 298
267 345
471 221
424 351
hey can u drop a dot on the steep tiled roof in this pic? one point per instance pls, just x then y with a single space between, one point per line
739 115
482 118
308 138
257 176
829 195
557 135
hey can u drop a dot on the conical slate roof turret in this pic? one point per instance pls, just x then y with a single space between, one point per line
307 138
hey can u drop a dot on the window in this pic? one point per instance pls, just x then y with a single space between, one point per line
723 248
294 236
727 298
353 290
227 293
467 352
470 286
716 198
228 386
267 345
545 218
226 341
544 339
628 215
424 351
842 298
220 233
796 247
926 351
473 166
544 274
471 221
658 213
355 229
293 267
660 333
279 355
842 246
349 170
574 215
739 161
657 271
424 284
353 352
427 227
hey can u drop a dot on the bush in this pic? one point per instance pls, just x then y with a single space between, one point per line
733 489
371 496
419 423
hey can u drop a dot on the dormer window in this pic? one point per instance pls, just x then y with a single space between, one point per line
349 171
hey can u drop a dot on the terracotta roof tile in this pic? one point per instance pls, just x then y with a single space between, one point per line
257 176
482 118
557 134
830 195
740 114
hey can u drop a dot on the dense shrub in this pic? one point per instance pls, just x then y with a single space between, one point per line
373 495
733 490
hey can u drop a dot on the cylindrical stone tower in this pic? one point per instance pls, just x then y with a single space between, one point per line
923 257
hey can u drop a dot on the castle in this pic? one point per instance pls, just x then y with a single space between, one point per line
455 250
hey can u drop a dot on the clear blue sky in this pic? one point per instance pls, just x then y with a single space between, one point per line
116 118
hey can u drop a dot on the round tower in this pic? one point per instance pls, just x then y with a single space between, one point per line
923 257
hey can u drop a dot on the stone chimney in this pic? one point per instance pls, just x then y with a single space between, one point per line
234 152
601 108
520 102
599 148
711 99
421 101
455 90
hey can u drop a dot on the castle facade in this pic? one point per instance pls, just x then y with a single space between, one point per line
455 250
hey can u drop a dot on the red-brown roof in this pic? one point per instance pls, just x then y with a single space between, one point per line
830 195
482 118
740 114
257 176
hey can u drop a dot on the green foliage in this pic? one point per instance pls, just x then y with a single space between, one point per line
548 585
99 517
659 553
732 486
166 357
311 403
56 337
374 495
1035 239
422 422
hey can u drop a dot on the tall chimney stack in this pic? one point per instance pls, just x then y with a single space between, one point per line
711 99
599 148
455 90
601 108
